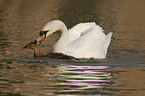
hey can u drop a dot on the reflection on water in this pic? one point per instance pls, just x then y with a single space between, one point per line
79 80
120 74
82 78
34 79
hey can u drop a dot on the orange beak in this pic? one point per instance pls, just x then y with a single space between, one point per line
40 39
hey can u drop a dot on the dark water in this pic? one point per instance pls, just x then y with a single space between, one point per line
122 73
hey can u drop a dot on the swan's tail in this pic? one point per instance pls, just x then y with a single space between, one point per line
107 42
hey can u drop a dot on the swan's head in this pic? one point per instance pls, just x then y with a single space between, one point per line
42 36
50 28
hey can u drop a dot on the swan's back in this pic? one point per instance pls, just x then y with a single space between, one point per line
85 40
88 40
79 30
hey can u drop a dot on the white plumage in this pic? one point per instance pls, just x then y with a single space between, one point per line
85 40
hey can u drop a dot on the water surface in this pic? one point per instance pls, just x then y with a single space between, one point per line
122 73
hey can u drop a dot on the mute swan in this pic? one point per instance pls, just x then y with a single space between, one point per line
85 40
37 54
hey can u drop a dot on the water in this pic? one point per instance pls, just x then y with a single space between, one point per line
122 73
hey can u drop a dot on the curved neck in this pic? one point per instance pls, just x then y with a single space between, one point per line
61 44
63 40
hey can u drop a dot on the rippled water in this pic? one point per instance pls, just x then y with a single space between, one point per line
122 73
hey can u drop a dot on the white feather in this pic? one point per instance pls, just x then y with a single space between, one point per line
85 40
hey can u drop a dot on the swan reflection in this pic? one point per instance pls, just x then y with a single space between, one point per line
79 78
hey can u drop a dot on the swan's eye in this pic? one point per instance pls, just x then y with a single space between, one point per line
43 32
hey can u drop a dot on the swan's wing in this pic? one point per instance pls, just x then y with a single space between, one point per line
79 30
89 45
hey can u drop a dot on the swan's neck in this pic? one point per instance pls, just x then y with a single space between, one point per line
61 44
63 40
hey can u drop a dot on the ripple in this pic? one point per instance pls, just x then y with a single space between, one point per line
88 78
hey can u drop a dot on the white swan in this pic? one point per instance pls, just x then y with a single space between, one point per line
85 40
